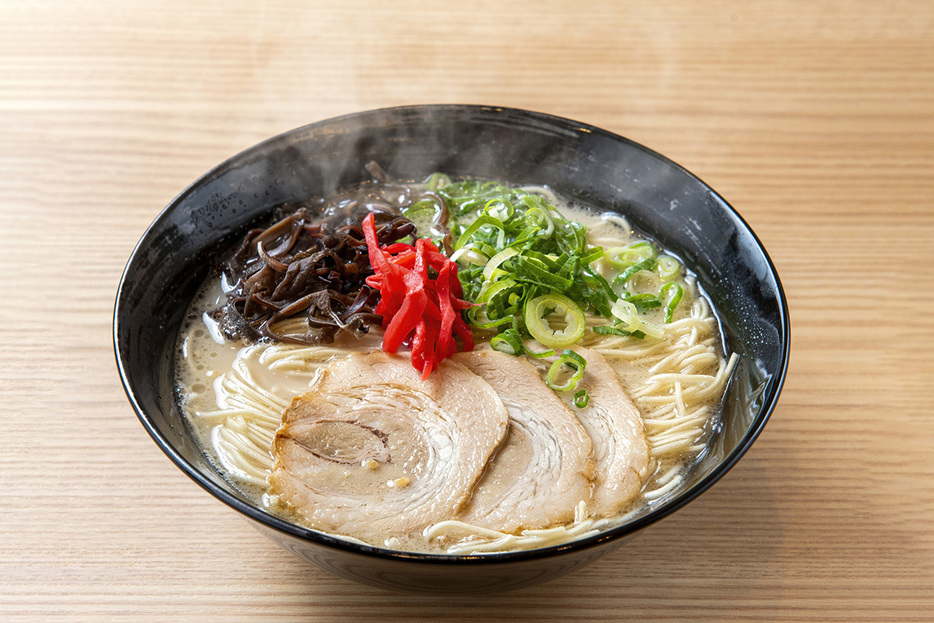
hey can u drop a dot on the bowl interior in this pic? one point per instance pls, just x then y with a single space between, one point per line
657 196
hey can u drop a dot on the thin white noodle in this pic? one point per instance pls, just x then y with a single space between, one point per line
528 539
670 486
248 415
685 372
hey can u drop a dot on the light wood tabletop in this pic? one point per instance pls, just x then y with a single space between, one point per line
814 119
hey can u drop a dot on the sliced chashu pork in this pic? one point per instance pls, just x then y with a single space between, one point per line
372 451
621 451
544 467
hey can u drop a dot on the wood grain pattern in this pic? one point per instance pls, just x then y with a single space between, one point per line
814 119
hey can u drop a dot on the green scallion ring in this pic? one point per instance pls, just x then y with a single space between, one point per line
673 301
668 268
508 342
572 360
536 321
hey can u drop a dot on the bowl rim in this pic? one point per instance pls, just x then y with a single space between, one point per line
617 533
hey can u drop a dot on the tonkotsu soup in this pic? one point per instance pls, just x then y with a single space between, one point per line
452 366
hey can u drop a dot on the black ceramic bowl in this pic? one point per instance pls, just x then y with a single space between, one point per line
656 195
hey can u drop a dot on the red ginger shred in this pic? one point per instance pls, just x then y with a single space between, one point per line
417 309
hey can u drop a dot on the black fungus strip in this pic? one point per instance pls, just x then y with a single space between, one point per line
311 262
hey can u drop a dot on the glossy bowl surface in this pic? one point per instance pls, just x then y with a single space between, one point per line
609 172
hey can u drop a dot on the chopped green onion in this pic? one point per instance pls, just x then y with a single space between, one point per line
608 330
538 215
572 238
668 268
646 264
540 355
643 279
536 320
490 271
491 290
509 341
642 301
470 255
673 301
581 399
592 255
486 323
500 209
629 315
484 249
533 274
476 225
622 258
571 360
532 271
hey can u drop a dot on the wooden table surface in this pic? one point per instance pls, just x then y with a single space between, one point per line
814 119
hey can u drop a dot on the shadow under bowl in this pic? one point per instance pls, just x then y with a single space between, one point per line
657 197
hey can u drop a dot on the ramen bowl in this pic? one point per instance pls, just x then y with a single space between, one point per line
657 197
